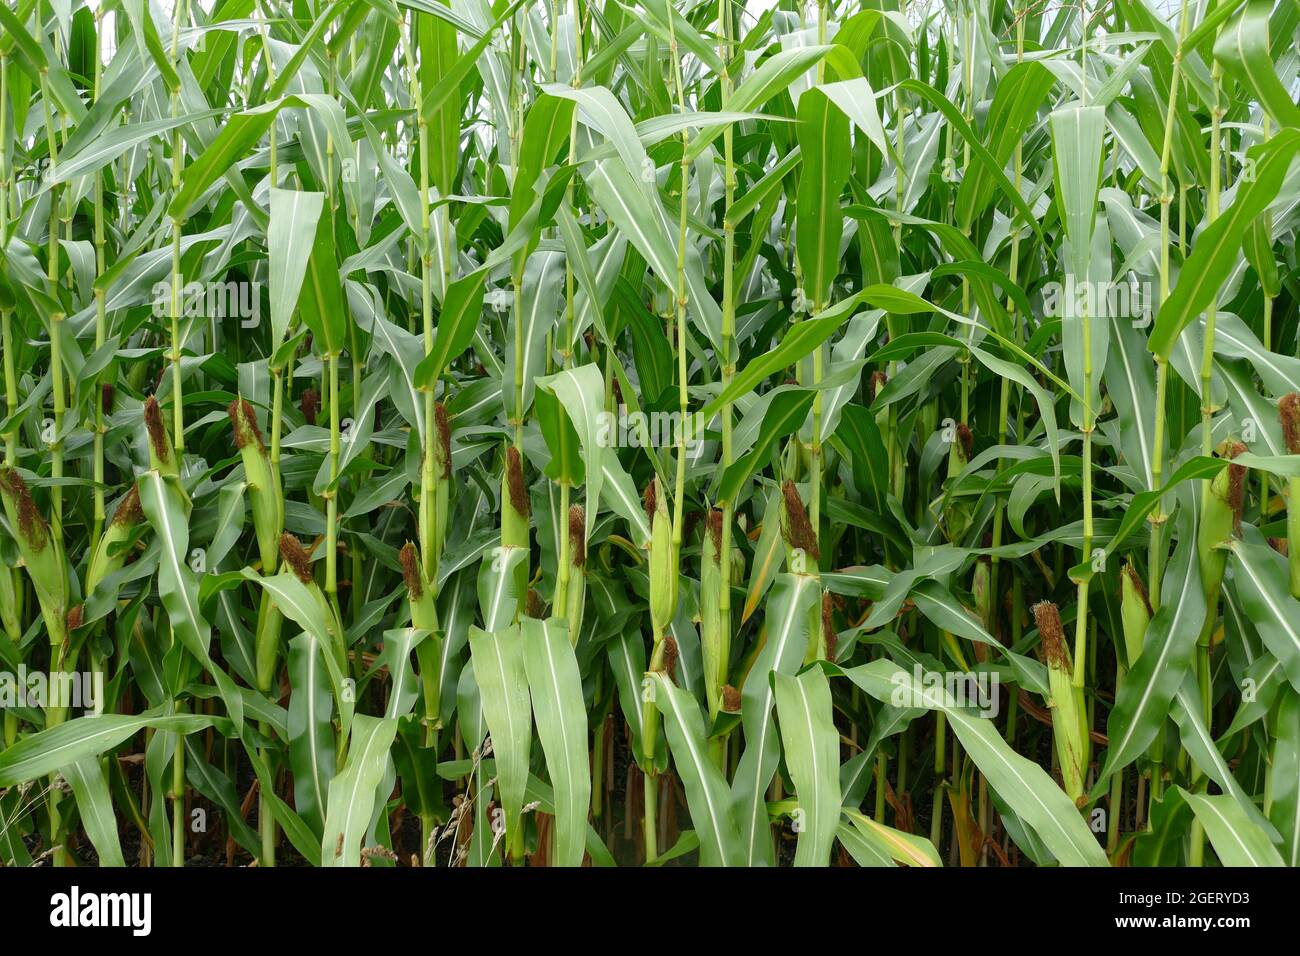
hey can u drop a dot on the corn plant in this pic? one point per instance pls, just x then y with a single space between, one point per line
649 432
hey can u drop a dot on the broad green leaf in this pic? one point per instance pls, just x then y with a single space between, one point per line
581 392
502 678
824 144
1236 840
1143 701
706 788
1285 811
555 686
812 755
1215 251
289 241
353 792
1024 785
1261 581
95 804
55 748
311 735
462 311
166 507
892 844
798 343
784 415
786 623
1243 47
322 305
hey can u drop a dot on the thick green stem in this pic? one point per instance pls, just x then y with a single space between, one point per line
1156 554
178 798
332 495
728 349
6 328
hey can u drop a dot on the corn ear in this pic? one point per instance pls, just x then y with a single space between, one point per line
1220 519
957 511
515 513
576 596
298 559
1135 612
42 553
441 479
10 605
162 456
264 492
803 556
663 560
981 591
802 549
711 630
424 616
110 553
266 641
1069 732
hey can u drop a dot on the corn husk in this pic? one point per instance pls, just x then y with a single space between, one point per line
42 553
515 513
162 456
1134 611
1220 519
1069 728
663 560
110 554
424 616
264 493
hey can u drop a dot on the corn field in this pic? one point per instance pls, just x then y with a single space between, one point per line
649 432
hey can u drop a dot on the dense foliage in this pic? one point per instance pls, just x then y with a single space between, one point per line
552 432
